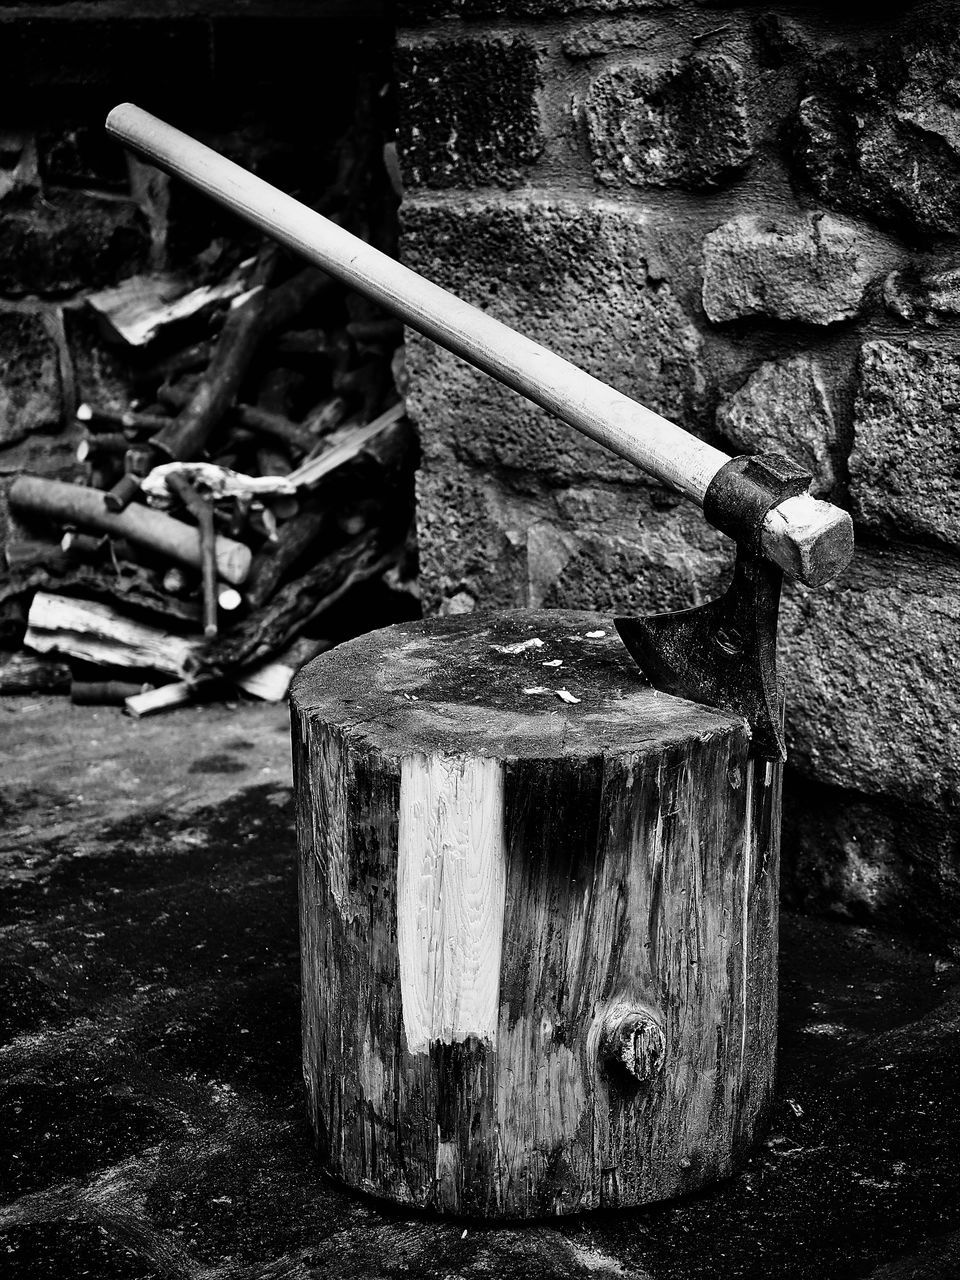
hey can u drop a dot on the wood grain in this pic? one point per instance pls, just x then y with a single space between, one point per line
639 863
450 886
98 634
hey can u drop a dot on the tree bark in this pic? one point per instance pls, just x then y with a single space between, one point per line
538 929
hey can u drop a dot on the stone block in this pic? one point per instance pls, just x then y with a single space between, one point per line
784 407
876 132
917 294
486 544
905 464
69 241
468 111
102 373
873 700
812 269
30 399
573 277
682 125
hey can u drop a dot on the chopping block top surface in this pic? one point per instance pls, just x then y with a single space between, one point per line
508 683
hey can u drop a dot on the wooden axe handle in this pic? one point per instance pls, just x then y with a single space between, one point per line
810 540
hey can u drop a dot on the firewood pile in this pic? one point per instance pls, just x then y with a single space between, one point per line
233 510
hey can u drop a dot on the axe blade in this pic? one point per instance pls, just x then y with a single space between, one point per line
722 653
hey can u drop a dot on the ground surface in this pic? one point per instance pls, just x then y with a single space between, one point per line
150 1096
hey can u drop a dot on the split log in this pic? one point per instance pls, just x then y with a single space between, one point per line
131 587
99 635
348 444
538 933
168 696
138 309
73 504
271 681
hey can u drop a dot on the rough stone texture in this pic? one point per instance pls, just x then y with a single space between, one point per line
607 36
102 373
573 277
779 40
414 11
682 125
589 547
905 465
152 1101
811 269
29 377
876 130
469 111
871 858
917 294
784 407
873 701
67 241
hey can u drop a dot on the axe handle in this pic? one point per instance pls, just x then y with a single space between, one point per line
811 540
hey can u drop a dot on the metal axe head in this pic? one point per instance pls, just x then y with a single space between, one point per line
725 653
722 653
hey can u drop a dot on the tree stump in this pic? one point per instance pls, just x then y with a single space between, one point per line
538 929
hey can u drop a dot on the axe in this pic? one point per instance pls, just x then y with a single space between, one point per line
722 653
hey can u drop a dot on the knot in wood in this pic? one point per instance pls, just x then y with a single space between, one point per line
632 1041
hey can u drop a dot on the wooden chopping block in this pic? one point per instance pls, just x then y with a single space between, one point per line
538 934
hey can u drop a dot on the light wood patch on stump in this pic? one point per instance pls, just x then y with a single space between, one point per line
538 937
450 889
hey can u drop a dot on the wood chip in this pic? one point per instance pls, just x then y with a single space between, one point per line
566 696
519 647
537 689
553 662
595 635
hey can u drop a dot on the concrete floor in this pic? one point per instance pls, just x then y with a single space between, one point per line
150 1095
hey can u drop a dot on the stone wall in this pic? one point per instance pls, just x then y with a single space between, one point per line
747 219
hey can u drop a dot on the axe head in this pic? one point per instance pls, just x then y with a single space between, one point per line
722 653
